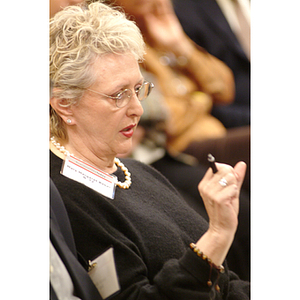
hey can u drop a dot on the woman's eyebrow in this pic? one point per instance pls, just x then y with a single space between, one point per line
124 86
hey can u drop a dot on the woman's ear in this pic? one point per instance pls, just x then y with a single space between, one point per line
62 108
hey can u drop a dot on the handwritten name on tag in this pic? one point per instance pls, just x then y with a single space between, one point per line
90 176
104 275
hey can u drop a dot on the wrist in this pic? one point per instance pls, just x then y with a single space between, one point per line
215 245
184 48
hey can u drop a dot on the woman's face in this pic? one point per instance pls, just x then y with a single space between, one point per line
100 125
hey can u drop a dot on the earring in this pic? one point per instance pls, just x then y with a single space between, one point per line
69 121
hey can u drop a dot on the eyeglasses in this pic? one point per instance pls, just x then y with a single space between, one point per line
123 97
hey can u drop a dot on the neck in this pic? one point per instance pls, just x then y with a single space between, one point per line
106 164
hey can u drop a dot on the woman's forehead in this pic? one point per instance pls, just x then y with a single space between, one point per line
117 68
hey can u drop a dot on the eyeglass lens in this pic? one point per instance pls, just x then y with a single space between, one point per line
141 93
123 98
144 91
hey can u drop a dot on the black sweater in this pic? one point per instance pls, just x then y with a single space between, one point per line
150 227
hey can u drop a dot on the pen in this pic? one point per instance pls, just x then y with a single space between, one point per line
212 164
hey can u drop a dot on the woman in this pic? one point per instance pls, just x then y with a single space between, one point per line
95 108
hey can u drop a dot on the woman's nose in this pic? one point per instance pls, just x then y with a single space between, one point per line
135 106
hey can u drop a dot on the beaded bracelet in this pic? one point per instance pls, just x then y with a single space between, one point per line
212 265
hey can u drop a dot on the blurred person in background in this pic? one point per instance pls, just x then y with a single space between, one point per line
222 27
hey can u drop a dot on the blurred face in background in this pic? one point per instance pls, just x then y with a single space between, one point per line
137 8
57 5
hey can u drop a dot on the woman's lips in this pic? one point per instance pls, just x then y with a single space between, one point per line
128 131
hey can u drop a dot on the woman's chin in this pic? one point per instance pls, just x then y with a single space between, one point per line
132 143
126 152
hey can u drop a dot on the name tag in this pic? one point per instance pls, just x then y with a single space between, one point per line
104 275
80 171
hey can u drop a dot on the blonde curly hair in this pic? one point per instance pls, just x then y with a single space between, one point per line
78 35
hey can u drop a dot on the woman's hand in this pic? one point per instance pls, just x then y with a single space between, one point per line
222 206
165 30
